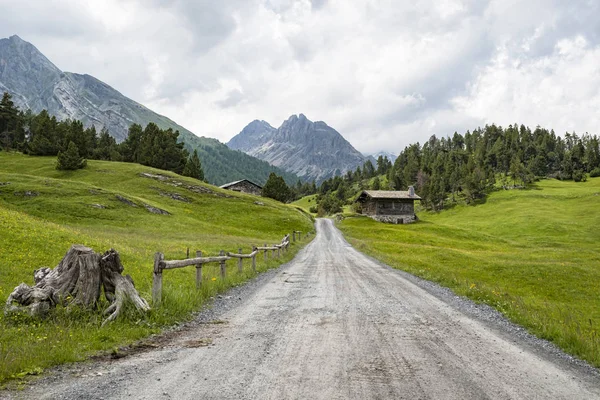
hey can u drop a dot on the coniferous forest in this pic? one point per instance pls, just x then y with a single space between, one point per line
43 135
469 166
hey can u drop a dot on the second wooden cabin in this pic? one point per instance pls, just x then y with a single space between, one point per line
392 206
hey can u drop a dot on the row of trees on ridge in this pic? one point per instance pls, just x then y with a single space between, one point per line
43 135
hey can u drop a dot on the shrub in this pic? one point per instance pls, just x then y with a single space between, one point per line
595 172
579 176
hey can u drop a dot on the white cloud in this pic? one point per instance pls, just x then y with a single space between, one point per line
382 72
560 90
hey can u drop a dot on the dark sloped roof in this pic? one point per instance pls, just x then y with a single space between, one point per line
386 194
227 185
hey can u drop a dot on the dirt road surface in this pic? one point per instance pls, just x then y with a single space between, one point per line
335 324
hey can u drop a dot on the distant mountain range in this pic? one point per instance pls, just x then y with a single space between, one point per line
311 150
35 83
391 156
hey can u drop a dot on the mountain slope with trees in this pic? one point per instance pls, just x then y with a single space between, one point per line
36 84
467 167
472 164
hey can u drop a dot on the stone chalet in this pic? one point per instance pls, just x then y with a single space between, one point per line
392 206
244 186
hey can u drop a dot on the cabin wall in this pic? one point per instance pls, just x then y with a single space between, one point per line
394 207
369 207
396 211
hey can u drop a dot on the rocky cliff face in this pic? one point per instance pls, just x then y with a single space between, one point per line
37 84
311 150
252 136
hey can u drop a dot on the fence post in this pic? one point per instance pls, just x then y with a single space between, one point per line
187 253
278 252
240 265
222 253
157 279
272 252
266 256
198 271
254 259
294 236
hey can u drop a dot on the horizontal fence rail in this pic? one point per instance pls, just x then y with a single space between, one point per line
160 264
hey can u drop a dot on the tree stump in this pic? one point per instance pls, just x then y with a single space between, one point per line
78 279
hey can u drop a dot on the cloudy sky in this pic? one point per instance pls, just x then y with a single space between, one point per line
384 73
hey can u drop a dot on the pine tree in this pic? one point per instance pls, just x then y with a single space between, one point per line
368 169
11 132
70 159
106 147
376 185
193 167
276 188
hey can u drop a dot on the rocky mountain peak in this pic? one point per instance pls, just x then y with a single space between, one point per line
312 150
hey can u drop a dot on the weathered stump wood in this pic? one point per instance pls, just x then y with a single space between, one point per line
78 280
121 286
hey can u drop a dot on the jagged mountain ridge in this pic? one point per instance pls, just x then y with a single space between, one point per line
391 156
37 84
311 150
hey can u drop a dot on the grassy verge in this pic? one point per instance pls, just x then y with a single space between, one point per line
531 254
44 211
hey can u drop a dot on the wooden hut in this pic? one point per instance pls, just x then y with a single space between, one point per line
244 186
392 206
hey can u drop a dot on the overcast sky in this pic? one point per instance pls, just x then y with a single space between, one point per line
384 73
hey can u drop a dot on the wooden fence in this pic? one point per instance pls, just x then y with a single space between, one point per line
160 264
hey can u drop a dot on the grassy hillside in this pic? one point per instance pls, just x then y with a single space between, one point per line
306 202
43 211
532 254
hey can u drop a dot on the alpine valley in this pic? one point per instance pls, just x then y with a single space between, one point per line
35 83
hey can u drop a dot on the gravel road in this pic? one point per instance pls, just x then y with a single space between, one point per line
335 324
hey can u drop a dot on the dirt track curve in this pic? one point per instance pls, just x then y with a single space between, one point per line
334 324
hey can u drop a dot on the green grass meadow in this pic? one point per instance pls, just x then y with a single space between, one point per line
306 202
37 230
532 254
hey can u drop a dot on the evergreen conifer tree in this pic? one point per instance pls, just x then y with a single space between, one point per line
70 159
276 188
193 167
